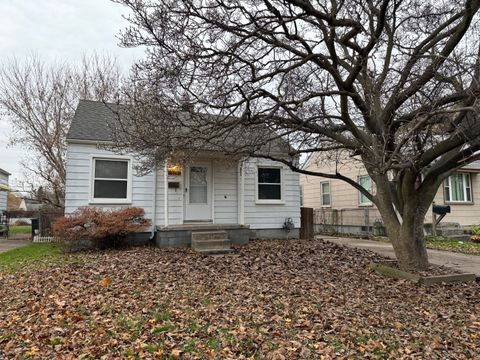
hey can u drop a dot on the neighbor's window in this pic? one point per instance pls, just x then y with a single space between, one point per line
110 179
325 197
365 181
458 188
269 184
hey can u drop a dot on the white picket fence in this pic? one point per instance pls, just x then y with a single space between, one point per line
44 239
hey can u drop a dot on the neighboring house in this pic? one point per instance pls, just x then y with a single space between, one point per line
32 204
16 202
3 189
461 191
248 199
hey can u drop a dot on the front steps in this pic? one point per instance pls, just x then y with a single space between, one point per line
454 231
211 242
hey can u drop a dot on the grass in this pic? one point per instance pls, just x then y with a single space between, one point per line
466 247
446 244
20 229
18 258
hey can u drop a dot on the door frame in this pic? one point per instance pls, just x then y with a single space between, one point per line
211 188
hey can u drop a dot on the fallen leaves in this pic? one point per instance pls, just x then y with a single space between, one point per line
273 300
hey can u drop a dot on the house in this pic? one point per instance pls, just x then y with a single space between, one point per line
4 175
248 198
16 202
461 191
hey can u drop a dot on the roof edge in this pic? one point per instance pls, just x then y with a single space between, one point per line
4 172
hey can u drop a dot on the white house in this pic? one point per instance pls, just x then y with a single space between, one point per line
3 189
250 198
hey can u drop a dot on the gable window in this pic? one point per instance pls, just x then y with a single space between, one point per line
269 184
364 181
325 196
111 180
458 188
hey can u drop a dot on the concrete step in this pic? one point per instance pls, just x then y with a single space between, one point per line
214 251
450 231
209 235
464 237
446 224
215 244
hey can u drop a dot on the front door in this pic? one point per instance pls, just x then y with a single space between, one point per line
198 199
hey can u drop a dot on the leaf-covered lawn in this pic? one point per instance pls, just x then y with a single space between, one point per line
274 300
466 247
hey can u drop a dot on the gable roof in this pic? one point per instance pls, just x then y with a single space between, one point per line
91 121
4 172
474 166
94 120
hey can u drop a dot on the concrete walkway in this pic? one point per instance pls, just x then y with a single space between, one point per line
9 244
463 262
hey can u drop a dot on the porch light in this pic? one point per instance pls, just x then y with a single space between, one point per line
174 169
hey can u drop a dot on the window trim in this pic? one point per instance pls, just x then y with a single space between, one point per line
322 193
459 202
368 202
280 201
107 201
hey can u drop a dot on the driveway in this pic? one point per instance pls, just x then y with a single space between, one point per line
463 262
9 244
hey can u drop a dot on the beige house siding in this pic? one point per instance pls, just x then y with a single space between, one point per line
345 196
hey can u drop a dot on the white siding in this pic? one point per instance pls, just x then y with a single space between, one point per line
3 194
225 184
271 216
79 162
225 179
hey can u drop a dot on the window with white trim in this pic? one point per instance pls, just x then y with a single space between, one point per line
269 184
458 188
365 181
111 180
325 195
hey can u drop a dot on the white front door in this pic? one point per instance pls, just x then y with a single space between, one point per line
198 192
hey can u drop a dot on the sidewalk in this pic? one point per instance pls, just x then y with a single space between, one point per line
9 244
463 262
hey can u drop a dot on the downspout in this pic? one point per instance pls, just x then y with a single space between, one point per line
165 191
154 202
241 196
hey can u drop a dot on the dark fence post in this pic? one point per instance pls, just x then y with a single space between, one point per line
306 223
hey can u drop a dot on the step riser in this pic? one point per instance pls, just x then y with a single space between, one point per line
215 251
211 244
213 235
449 232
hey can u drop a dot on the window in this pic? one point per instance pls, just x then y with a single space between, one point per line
458 188
325 197
269 185
111 180
364 181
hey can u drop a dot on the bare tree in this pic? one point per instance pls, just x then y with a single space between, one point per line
393 84
39 100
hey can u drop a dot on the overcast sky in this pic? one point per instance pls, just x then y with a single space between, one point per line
57 30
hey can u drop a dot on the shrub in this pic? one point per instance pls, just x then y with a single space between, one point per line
22 223
105 228
475 229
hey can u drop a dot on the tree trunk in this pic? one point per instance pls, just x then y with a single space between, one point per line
405 224
409 245
408 238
